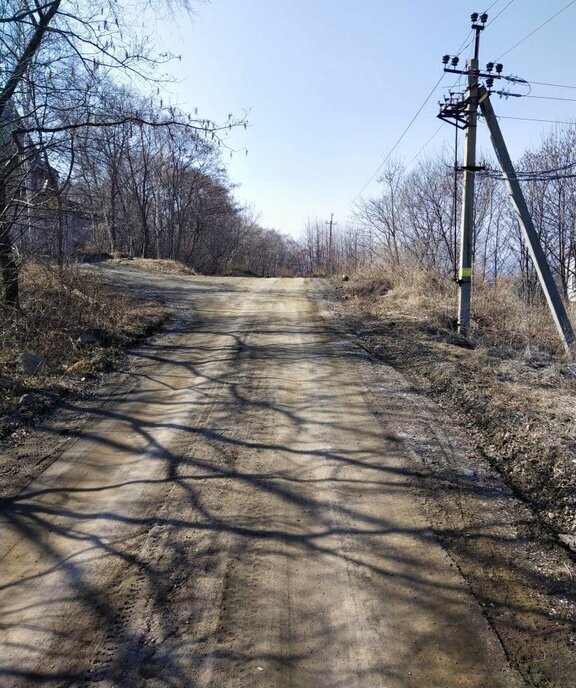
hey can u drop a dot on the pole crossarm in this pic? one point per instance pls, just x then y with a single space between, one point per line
454 111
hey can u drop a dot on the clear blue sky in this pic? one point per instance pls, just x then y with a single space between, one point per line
330 85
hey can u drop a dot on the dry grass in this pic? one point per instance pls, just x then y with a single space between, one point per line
403 292
500 317
56 308
164 265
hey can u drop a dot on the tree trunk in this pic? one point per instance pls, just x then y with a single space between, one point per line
8 266
60 228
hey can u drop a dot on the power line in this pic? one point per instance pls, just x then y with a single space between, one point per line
523 173
535 119
530 179
572 100
425 145
499 13
399 139
545 83
536 29
534 175
463 46
555 169
491 6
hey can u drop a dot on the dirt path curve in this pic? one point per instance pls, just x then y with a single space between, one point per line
236 518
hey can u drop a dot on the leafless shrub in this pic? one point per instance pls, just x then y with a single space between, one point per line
501 317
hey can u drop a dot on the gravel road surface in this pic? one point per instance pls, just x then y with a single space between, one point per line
235 514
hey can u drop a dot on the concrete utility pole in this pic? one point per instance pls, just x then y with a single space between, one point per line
530 235
330 222
462 111
465 112
467 223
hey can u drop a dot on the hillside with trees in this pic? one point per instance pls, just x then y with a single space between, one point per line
91 162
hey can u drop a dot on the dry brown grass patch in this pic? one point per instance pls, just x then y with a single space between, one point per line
500 317
164 265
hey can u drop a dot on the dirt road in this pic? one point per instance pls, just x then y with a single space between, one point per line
236 515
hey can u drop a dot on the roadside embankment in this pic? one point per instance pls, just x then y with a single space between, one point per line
162 265
69 329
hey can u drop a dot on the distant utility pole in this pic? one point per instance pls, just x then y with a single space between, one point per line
462 111
330 223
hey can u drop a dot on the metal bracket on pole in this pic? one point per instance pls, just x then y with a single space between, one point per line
547 282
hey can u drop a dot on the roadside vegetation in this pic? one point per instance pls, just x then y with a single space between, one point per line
95 163
69 329
93 160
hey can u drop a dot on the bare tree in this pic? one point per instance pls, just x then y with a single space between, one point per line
58 59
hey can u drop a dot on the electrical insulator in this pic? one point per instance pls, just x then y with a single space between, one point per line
455 60
484 18
445 59
499 68
474 16
490 66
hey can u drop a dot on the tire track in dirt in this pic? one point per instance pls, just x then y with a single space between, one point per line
122 661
